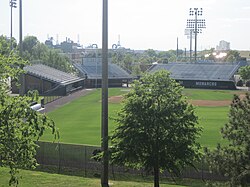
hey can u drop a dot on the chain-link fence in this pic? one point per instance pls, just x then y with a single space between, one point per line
80 157
49 99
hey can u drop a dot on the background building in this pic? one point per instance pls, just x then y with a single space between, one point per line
223 46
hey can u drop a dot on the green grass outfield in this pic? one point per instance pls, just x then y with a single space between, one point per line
79 122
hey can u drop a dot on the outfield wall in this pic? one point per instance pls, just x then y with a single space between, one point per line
208 84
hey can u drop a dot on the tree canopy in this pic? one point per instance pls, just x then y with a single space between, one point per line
245 73
5 48
37 52
20 126
156 127
233 160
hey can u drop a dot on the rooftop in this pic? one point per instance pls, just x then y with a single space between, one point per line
51 74
93 69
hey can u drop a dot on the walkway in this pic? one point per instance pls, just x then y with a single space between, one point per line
66 99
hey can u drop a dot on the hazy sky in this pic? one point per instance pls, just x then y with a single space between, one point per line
141 24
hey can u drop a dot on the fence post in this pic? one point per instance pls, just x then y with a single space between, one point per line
43 150
113 172
202 169
59 158
85 160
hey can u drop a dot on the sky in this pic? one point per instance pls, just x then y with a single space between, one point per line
141 24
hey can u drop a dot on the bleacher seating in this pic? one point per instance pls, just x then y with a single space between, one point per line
51 74
198 71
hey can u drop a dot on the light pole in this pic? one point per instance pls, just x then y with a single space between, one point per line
12 5
189 33
195 25
96 51
20 29
177 49
104 129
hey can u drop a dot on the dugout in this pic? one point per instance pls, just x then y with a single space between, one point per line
91 70
48 81
201 75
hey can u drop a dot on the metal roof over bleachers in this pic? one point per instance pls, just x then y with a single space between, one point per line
93 69
198 71
51 74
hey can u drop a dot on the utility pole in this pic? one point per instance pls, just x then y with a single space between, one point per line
104 130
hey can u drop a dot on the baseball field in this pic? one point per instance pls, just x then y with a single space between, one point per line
79 121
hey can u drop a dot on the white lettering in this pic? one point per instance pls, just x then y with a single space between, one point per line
204 83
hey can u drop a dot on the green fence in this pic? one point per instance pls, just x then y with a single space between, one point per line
80 157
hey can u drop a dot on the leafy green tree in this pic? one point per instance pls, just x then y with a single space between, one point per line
40 51
20 126
151 53
232 56
233 160
28 43
5 48
37 52
245 73
136 70
156 127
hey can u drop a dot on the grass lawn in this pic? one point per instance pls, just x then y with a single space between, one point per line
215 95
79 122
212 119
43 179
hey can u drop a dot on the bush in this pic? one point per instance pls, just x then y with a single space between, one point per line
248 83
239 83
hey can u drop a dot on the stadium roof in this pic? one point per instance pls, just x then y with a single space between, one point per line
51 74
198 71
93 69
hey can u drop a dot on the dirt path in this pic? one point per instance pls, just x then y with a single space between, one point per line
210 102
66 99
118 99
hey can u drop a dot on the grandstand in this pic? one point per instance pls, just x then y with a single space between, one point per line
91 70
201 75
49 81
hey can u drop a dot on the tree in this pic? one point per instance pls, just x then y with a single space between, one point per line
232 56
5 48
156 127
233 160
28 43
37 52
245 73
20 126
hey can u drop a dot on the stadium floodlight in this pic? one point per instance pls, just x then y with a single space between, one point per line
12 5
195 26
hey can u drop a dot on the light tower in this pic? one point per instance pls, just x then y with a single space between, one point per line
195 25
12 5
20 28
